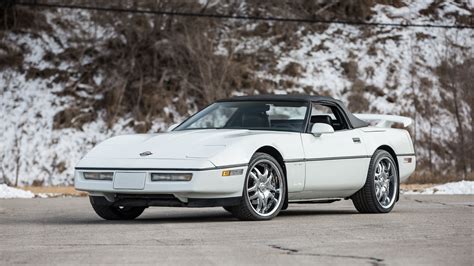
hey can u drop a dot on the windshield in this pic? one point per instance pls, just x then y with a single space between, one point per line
282 116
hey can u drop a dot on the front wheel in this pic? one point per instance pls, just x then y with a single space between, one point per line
109 212
381 187
264 189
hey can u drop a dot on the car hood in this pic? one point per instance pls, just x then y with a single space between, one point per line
188 144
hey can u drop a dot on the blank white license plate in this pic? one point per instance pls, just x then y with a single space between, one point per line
128 180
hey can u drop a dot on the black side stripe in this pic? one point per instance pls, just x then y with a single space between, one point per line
337 158
159 169
326 159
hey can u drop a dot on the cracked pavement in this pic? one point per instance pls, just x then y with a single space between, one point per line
420 230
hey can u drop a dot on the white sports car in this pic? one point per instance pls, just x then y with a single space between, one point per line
253 155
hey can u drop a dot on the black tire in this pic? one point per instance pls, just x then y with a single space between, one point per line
245 211
109 212
365 200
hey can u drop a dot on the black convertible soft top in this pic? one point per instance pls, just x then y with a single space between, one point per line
353 120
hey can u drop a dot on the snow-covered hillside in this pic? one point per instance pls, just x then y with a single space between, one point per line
385 70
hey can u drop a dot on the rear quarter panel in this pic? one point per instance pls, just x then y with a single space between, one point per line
398 140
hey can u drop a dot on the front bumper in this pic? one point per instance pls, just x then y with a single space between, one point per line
167 200
205 184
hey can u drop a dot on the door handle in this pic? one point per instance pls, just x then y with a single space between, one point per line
356 140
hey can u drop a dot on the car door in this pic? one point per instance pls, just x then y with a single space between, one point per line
336 163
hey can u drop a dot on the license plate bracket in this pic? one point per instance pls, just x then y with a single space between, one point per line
129 180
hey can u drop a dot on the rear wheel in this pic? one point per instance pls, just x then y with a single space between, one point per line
109 212
381 187
264 190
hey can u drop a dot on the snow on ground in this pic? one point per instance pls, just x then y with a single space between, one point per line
453 188
7 192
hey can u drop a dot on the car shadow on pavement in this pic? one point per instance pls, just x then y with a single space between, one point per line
194 216
308 212
176 217
197 217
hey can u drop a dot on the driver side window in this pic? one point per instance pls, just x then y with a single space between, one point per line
328 115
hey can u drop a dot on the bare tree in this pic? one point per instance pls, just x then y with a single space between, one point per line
449 73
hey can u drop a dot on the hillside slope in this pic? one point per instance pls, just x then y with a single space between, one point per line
72 78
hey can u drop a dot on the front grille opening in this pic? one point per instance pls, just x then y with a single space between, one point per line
145 196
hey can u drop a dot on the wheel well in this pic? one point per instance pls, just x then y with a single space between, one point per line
277 155
394 155
392 152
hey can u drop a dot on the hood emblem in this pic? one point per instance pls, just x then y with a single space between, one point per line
146 153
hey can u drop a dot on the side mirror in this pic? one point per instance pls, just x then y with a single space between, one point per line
320 128
173 126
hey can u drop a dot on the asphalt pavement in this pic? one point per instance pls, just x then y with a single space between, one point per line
434 230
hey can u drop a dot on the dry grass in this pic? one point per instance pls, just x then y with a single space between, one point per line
416 187
56 191
429 179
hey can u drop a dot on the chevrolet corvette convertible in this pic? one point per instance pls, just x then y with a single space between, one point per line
253 155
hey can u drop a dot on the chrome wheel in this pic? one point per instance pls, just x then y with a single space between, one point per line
264 187
380 191
385 182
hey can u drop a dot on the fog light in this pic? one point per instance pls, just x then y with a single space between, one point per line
171 177
98 175
232 172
